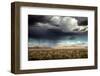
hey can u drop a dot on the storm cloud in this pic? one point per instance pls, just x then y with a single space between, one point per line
52 27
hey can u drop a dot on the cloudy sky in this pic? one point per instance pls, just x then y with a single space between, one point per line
46 26
54 28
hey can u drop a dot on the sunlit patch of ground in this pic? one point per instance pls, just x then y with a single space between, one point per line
45 53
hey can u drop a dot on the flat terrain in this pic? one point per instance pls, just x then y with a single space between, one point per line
36 53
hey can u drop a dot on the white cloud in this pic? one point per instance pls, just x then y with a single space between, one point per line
67 24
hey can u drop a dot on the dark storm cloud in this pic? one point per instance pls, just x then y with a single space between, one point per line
32 19
82 21
41 30
41 18
52 27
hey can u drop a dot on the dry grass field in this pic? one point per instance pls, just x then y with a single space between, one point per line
50 54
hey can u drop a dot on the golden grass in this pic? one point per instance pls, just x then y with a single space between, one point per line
50 54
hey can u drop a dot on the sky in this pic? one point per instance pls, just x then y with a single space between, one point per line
56 29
